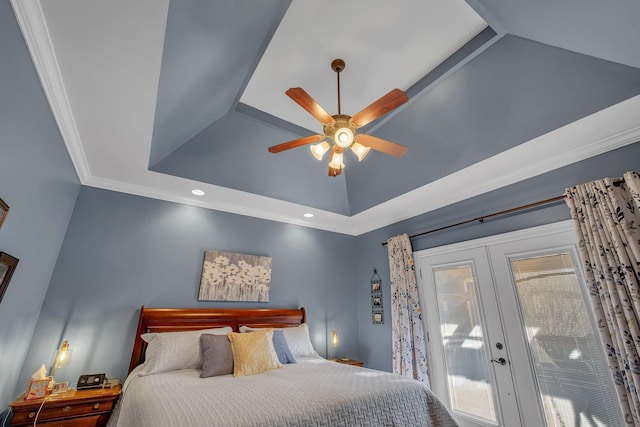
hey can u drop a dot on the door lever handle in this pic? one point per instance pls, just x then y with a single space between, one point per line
500 361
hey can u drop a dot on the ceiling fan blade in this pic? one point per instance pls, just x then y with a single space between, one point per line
295 143
382 106
303 99
382 145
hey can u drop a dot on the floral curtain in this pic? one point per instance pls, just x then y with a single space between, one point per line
409 354
606 215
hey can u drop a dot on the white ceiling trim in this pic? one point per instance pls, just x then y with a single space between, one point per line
605 130
178 190
36 34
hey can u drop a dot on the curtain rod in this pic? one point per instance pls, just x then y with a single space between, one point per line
482 218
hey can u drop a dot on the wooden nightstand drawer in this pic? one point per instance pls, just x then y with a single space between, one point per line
68 410
94 421
87 408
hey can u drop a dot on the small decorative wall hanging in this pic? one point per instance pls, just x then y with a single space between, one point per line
234 277
376 298
7 266
4 211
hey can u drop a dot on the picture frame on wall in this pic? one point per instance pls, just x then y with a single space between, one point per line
8 265
376 299
375 287
377 318
228 276
4 211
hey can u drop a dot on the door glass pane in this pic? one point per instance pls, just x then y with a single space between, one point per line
571 374
466 362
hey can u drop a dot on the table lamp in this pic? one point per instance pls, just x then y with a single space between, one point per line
60 360
333 343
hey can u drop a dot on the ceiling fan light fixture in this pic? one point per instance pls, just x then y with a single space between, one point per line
343 137
337 161
339 130
319 150
360 150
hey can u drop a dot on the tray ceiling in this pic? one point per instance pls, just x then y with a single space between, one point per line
156 98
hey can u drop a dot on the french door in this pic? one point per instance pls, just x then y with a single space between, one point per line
511 341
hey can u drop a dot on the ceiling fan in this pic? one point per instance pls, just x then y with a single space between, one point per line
341 128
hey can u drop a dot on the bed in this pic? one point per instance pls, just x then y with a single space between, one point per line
312 392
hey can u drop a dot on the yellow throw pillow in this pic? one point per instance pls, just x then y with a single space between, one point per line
253 353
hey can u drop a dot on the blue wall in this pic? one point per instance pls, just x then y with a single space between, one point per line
38 181
375 340
123 251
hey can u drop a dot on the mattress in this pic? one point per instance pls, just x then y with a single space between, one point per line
313 392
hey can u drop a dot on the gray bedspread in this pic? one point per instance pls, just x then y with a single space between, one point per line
313 392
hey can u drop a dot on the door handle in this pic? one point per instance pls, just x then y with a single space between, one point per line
500 361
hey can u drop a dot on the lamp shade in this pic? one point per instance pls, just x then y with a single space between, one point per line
336 161
333 344
61 358
334 340
319 150
360 150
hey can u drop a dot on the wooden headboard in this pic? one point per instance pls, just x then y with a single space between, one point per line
186 319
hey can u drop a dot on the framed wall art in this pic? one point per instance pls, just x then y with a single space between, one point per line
7 266
4 211
227 276
376 299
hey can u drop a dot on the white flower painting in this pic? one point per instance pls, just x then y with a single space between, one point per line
235 277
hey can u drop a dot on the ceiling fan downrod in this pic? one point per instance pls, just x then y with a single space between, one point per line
338 65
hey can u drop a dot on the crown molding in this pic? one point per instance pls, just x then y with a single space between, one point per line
603 131
230 201
34 28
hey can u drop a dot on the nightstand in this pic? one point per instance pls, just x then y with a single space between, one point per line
74 408
351 362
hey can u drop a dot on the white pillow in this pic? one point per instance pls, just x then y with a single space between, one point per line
297 338
170 351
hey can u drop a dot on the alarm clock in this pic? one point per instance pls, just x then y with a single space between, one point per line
91 381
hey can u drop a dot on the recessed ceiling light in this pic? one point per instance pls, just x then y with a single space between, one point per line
197 192
308 215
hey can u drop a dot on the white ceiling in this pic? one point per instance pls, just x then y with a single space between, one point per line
99 64
313 33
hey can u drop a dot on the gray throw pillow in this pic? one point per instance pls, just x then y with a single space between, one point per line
217 357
